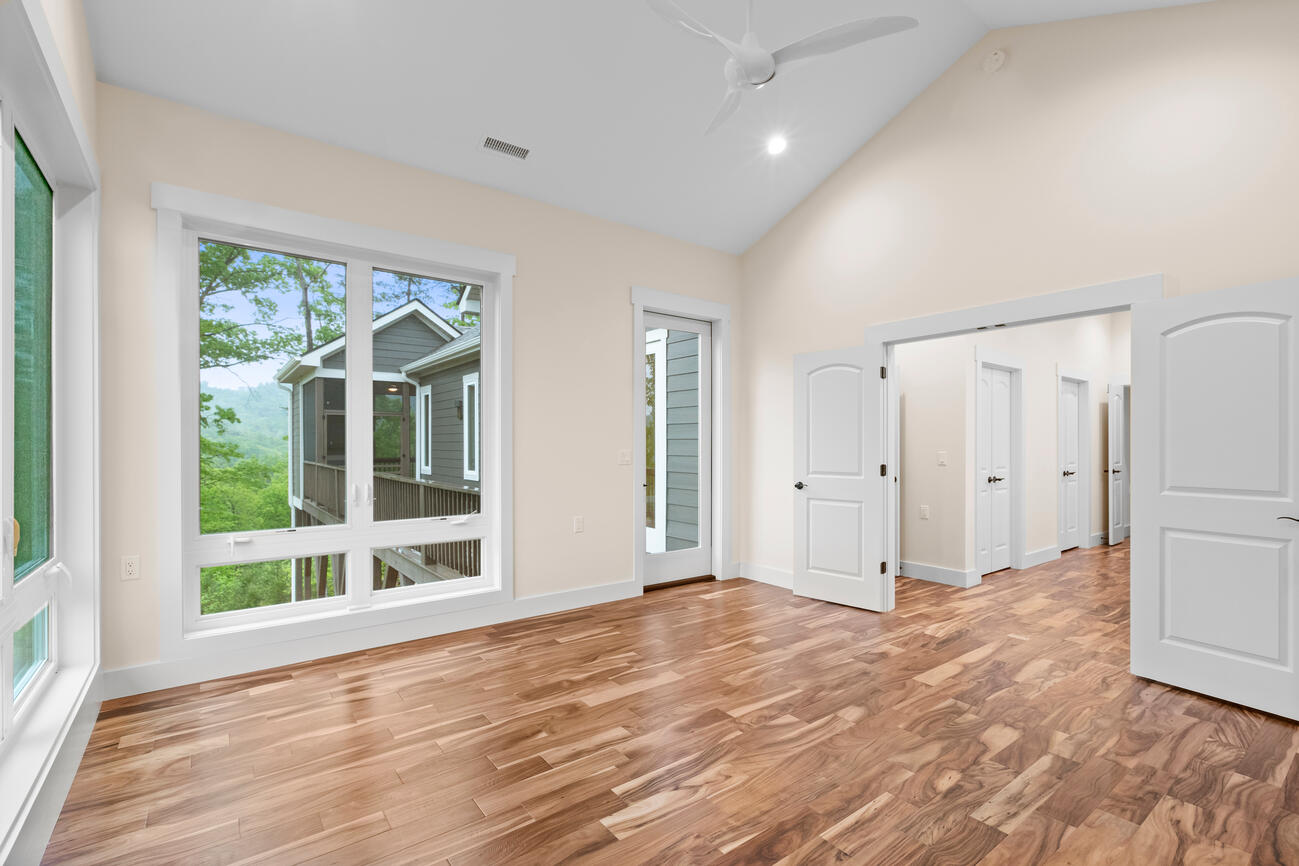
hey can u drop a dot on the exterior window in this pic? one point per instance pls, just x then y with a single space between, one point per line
471 425
31 649
302 506
32 362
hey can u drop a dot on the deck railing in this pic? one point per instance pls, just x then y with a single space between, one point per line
397 497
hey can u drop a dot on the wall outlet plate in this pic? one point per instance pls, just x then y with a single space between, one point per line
924 512
579 525
131 567
624 457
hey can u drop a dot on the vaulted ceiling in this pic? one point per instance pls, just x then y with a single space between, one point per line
611 100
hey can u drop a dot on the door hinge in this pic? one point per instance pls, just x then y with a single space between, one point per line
884 372
884 469
884 568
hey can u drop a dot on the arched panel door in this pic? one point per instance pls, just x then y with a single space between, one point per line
838 494
1215 494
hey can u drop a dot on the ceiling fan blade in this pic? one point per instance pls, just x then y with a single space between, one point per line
729 106
843 36
674 14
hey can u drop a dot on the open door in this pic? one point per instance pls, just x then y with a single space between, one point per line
1215 543
1116 472
839 536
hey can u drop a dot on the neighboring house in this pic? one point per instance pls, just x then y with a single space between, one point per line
426 410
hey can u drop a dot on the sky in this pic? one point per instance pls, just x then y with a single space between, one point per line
434 293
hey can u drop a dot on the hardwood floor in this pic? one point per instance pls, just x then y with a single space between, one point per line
715 722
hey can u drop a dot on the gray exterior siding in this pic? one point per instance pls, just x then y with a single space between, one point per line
447 454
682 440
400 343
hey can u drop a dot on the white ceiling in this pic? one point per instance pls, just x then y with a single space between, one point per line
612 100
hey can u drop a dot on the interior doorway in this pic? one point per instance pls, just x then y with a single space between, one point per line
677 414
998 466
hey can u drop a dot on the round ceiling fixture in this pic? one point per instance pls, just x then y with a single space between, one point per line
776 145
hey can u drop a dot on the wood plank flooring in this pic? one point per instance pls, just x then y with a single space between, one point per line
715 722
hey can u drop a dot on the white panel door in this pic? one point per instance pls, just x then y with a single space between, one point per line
839 550
1117 474
992 469
1215 384
1072 530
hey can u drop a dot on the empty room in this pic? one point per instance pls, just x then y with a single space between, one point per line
653 431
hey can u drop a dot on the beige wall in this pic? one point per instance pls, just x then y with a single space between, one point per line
572 332
937 390
1106 148
67 20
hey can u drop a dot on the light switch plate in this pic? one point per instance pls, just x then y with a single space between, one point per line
942 458
624 457
924 512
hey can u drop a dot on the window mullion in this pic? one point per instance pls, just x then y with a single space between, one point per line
360 427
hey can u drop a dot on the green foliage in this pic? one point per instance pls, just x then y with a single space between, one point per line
253 308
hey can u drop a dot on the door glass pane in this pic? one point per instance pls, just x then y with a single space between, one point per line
426 341
31 649
272 356
426 563
261 584
33 298
672 451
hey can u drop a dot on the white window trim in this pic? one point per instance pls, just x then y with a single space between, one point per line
303 630
45 730
471 411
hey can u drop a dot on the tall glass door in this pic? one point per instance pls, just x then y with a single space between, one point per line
678 448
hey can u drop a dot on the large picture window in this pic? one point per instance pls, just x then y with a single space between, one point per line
335 456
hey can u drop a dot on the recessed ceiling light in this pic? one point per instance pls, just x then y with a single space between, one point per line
776 145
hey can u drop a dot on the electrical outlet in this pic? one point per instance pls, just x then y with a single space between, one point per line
942 458
579 524
131 567
924 512
624 457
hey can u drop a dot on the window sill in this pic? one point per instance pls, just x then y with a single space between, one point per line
28 753
384 609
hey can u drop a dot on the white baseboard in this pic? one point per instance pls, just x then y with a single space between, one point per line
940 574
1039 557
151 677
59 748
766 574
1096 539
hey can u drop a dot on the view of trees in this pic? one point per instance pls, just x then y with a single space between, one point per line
257 311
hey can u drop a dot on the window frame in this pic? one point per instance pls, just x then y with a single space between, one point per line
184 216
21 600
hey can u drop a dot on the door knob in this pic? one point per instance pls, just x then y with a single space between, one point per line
993 479
1295 519
1117 471
799 485
1067 473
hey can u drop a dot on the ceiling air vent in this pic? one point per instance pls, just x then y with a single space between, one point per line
504 147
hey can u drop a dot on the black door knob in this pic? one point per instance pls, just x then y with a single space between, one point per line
799 485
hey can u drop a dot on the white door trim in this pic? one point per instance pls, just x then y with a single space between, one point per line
984 357
1086 481
1070 304
645 300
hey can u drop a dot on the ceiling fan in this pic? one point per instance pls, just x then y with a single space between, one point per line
750 66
